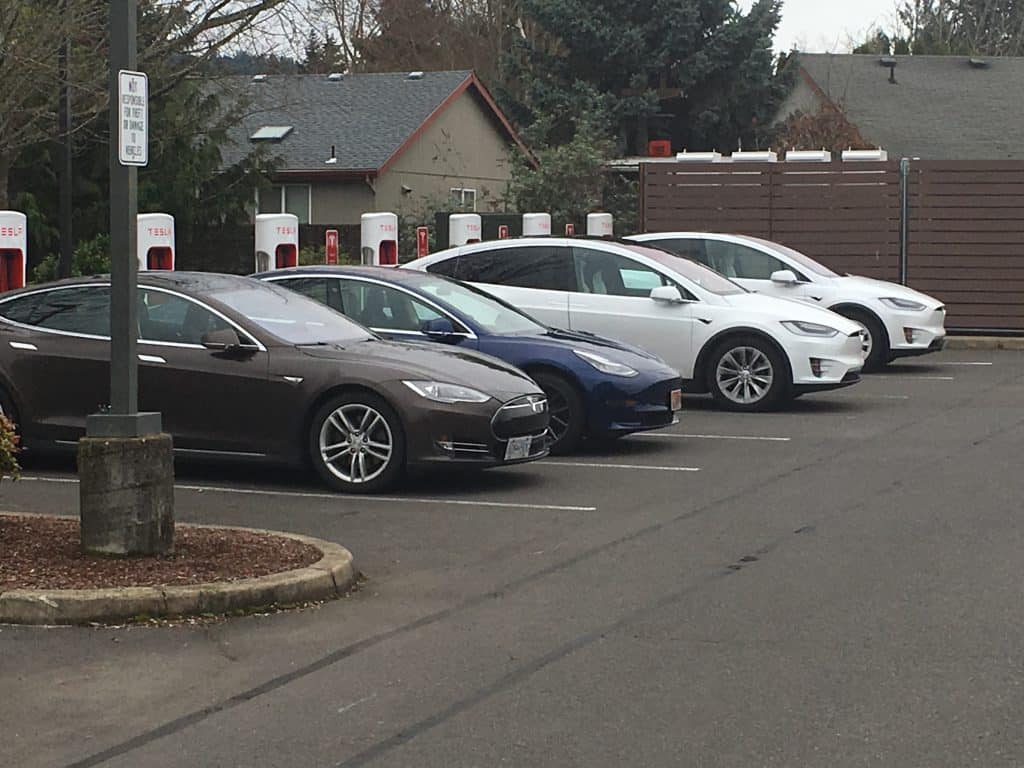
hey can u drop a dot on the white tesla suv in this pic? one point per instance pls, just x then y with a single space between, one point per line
899 321
750 351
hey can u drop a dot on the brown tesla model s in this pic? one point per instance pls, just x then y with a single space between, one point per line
245 368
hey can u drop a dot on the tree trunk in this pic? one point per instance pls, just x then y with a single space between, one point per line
5 171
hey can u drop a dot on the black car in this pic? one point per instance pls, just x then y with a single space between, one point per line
244 368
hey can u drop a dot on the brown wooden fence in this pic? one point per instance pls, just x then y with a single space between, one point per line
963 222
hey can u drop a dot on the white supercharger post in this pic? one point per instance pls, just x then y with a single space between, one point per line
463 229
600 225
378 242
536 224
156 241
277 241
13 250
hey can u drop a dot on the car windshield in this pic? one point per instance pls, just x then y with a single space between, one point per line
698 274
290 316
496 316
804 261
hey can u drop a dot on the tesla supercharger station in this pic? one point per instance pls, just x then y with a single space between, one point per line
277 241
379 239
600 225
463 229
156 241
13 250
536 224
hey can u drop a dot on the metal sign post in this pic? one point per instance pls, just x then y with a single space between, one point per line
129 123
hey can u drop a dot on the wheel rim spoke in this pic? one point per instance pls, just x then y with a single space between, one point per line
744 375
366 447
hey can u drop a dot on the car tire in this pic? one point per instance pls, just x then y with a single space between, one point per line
747 373
567 411
357 444
878 339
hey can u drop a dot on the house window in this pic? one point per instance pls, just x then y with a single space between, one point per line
464 199
285 198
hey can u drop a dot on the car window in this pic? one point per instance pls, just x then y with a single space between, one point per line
384 307
84 309
493 314
689 249
448 267
166 317
21 309
735 260
543 267
322 289
614 275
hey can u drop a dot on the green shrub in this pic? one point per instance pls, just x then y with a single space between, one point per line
8 450
91 257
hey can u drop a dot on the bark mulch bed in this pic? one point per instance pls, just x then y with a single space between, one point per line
44 553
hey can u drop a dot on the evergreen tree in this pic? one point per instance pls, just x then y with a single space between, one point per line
698 72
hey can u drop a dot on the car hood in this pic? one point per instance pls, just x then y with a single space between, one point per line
869 288
562 337
773 308
559 345
401 361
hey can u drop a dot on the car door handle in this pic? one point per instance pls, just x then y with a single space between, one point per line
23 345
151 359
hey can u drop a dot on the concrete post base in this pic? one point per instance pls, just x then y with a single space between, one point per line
126 495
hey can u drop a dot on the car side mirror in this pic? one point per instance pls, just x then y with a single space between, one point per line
785 276
667 293
439 328
225 340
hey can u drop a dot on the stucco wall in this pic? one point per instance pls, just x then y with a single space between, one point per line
340 202
461 148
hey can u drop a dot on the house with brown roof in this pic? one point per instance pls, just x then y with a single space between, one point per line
930 107
351 144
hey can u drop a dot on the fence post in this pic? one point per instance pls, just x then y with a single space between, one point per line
904 217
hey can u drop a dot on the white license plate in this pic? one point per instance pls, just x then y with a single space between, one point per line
518 448
677 399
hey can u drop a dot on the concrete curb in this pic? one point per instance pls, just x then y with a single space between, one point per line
330 576
985 342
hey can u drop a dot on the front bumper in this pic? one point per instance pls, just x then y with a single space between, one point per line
820 364
635 406
478 435
915 333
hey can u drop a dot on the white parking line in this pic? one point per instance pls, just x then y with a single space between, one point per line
915 377
602 465
716 437
343 497
958 363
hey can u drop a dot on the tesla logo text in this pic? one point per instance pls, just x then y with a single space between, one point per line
11 231
285 230
388 228
159 231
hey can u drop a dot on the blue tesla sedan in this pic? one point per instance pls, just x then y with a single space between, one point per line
596 388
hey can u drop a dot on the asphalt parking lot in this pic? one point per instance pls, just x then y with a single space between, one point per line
838 584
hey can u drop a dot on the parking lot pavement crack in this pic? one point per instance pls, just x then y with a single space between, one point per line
348 651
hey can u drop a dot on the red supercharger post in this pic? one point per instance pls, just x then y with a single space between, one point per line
331 246
379 239
13 250
155 240
503 233
277 241
422 242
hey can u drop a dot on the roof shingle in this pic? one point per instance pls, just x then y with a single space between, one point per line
941 107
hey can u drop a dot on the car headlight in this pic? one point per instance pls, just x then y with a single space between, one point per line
802 328
604 365
440 392
895 303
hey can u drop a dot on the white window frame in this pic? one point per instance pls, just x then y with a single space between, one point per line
282 209
461 193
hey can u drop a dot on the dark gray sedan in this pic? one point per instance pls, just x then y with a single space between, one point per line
247 369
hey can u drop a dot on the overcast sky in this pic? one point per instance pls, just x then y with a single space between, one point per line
821 26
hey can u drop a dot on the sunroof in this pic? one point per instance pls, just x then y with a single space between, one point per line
271 133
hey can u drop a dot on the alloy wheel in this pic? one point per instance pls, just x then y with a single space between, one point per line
744 375
560 414
356 443
867 341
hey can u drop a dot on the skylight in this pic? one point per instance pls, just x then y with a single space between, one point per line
271 133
